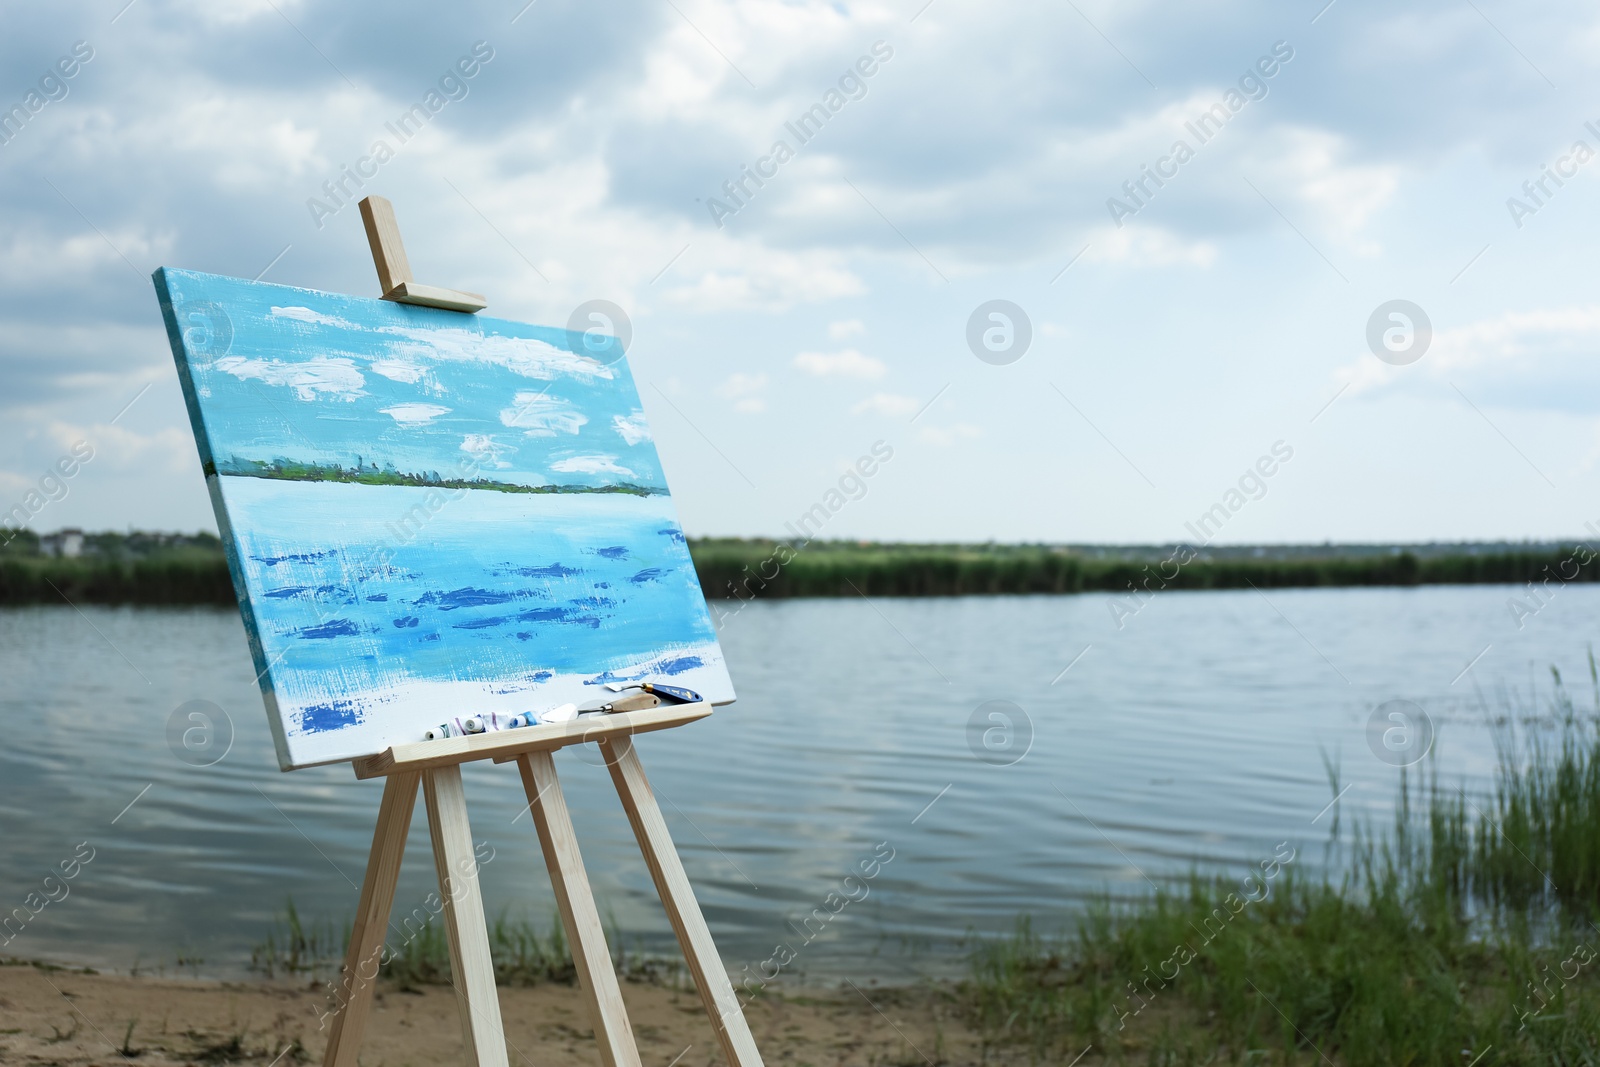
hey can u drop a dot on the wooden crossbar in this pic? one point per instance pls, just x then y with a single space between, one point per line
504 745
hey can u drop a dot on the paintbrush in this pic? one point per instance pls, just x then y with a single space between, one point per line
670 692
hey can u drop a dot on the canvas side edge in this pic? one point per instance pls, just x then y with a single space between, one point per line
252 632
219 508
180 357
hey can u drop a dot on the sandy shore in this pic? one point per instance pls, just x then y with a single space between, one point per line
64 1017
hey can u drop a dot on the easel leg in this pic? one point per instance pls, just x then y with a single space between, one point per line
470 962
705 965
363 957
576 901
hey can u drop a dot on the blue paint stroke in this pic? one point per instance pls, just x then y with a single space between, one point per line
328 630
463 598
481 624
334 715
554 570
298 557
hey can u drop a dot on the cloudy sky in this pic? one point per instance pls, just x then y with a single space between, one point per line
1356 154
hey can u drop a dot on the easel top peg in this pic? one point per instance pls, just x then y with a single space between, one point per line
394 269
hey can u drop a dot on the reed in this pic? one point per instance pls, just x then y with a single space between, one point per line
140 569
749 569
1468 924
190 577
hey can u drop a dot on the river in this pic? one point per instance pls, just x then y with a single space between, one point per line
1009 754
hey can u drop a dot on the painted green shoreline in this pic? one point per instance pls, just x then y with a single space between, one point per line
163 569
283 470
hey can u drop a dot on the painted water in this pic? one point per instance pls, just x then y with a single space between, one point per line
1193 736
430 603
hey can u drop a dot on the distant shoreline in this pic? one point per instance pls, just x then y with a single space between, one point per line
137 568
314 472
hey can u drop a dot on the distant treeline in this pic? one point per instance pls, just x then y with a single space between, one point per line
746 569
157 569
173 579
117 568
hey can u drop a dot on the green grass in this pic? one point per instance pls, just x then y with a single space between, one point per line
1427 951
419 955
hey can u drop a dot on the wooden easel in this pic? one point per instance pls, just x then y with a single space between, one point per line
436 766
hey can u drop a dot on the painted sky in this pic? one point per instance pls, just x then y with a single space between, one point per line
1172 346
290 374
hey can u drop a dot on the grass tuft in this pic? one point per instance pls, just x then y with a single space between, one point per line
1469 924
523 955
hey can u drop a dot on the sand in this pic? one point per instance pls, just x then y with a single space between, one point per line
65 1017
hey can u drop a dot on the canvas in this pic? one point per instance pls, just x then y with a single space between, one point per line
430 514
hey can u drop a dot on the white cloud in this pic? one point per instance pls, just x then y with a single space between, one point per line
486 450
1139 245
949 435
1312 162
745 392
1517 336
632 428
30 256
748 274
1543 358
412 414
301 314
235 13
892 405
399 370
846 363
596 464
838 331
538 415
520 355
319 375
118 446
